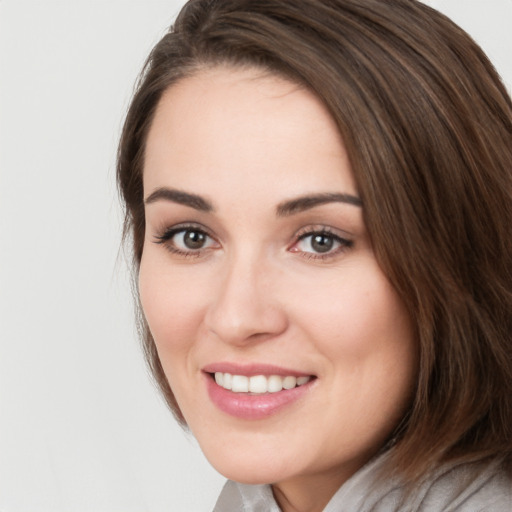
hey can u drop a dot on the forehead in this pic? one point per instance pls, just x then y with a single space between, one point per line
233 130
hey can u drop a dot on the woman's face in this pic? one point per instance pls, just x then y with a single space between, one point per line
257 271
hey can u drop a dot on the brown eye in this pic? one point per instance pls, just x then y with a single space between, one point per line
194 239
322 243
187 240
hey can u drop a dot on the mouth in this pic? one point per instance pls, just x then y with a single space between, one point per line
258 384
255 392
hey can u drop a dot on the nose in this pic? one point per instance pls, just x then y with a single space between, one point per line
245 307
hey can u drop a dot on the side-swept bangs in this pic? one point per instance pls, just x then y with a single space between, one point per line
427 125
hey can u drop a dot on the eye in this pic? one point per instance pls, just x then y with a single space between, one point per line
186 240
320 244
191 240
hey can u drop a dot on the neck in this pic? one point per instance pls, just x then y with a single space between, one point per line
309 493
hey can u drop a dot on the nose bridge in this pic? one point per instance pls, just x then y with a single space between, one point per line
244 304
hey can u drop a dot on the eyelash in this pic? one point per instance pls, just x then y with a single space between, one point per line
167 236
166 239
323 231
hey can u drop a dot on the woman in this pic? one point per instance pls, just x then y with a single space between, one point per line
319 195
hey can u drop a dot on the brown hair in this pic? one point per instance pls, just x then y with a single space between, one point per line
427 125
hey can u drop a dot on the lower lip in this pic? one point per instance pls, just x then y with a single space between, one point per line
253 407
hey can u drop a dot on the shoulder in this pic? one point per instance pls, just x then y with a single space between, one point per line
451 488
468 488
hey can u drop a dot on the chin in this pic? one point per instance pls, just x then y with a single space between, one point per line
259 469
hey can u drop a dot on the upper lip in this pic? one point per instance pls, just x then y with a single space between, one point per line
251 369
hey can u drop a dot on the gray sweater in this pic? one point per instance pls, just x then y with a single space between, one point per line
459 488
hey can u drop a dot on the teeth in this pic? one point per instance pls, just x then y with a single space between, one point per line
227 381
258 384
289 382
274 384
240 384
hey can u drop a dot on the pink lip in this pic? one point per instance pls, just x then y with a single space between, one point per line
254 407
252 369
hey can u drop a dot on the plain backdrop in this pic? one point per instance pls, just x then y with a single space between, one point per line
82 428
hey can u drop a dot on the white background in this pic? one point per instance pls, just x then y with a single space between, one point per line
82 429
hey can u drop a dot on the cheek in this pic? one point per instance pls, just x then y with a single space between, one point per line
357 315
367 339
374 319
171 303
364 332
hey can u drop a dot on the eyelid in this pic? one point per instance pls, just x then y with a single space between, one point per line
343 238
322 228
168 231
167 234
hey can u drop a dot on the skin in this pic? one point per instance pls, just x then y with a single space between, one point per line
259 291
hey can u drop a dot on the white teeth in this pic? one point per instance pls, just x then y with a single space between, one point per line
227 380
274 384
289 382
240 384
258 383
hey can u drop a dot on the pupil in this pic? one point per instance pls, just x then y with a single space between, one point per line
194 239
322 243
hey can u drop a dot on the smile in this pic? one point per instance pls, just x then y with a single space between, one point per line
259 384
255 392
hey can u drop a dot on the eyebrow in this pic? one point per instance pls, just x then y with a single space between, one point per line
303 203
284 209
180 197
